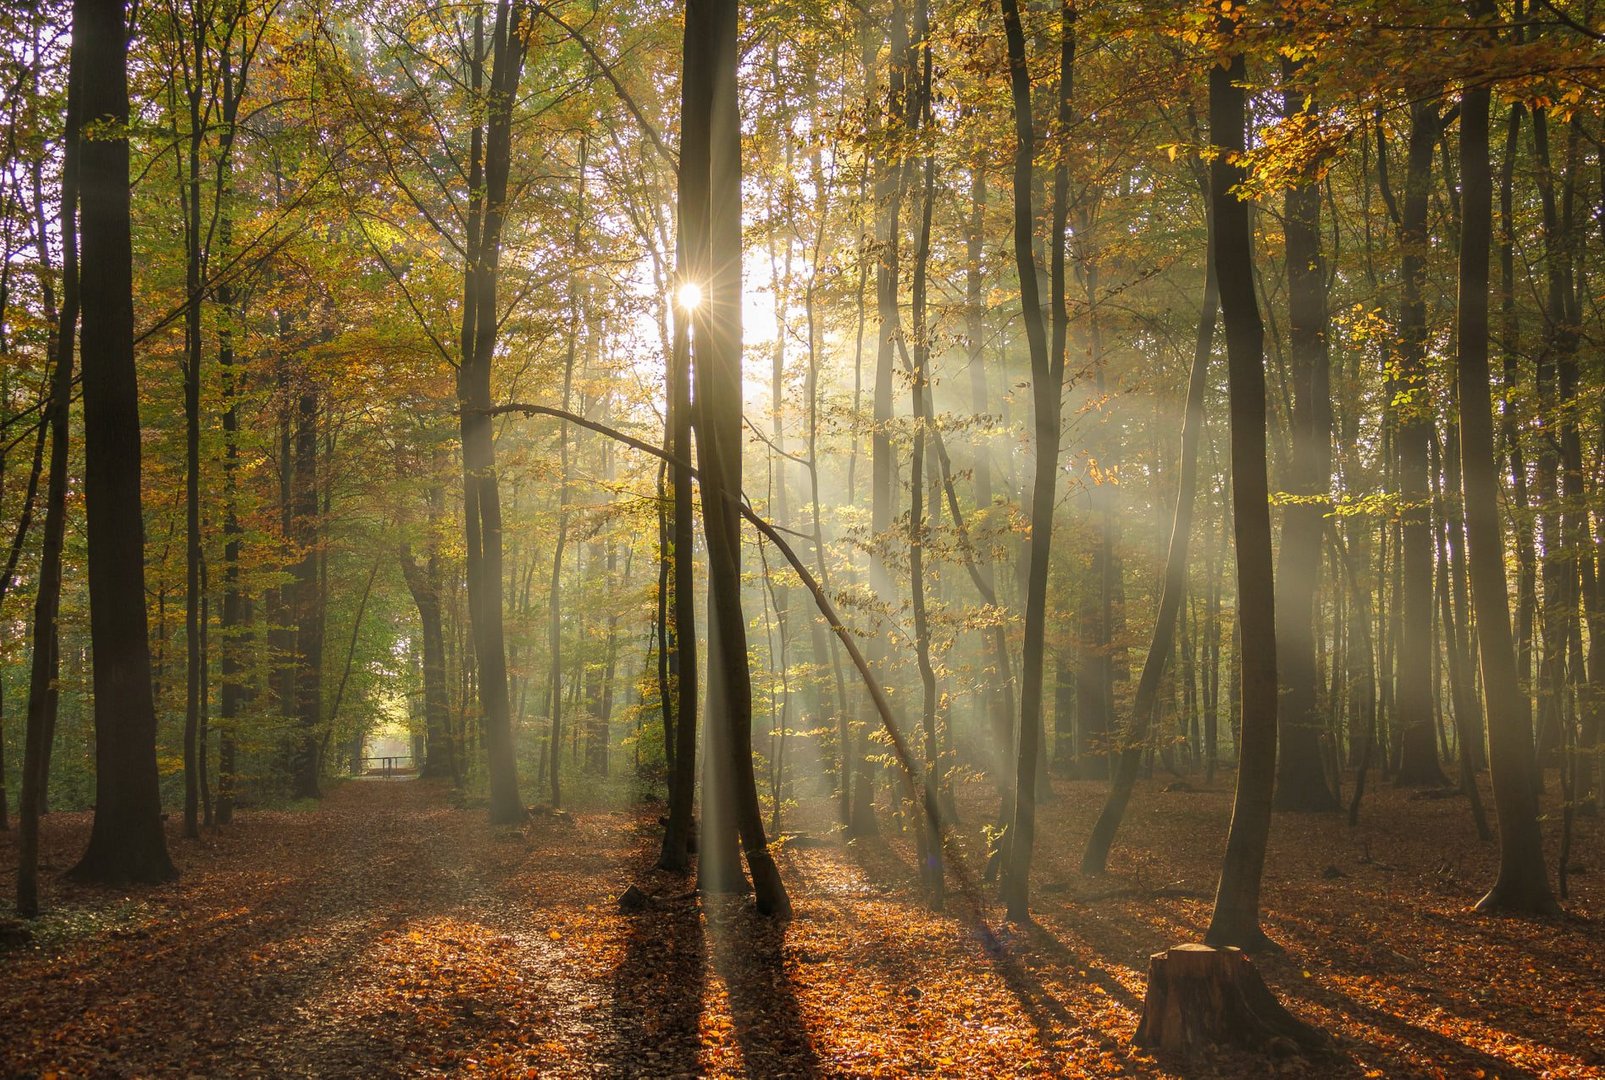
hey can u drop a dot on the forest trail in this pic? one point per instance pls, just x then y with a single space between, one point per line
387 933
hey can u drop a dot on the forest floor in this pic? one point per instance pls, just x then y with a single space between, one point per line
385 933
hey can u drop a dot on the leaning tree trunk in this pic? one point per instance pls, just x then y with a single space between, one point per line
126 843
1236 916
1523 881
43 685
1095 859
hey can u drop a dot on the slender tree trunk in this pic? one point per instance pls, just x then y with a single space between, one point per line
890 186
696 95
490 157
1047 381
1523 881
45 663
194 676
731 797
1300 773
931 871
1095 858
309 599
423 582
1418 756
1236 916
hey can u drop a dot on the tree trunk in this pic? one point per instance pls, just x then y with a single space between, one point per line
126 843
696 95
45 663
1523 881
890 185
733 789
931 871
1236 916
490 158
1095 859
307 607
1300 770
1418 755
1047 381
423 582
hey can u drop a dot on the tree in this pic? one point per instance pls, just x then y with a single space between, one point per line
1236 916
490 152
1523 881
1301 767
126 843
1095 858
1418 747
1047 383
730 795
45 662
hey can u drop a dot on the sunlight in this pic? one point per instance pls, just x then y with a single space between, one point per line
689 296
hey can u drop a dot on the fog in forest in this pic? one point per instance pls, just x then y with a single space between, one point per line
906 537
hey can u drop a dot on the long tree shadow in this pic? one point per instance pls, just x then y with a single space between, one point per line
658 990
1450 1053
749 955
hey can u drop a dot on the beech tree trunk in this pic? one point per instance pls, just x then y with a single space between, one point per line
45 663
931 871
126 842
1523 881
1418 753
696 95
733 784
1047 382
308 604
1301 782
423 582
1135 739
490 158
1236 916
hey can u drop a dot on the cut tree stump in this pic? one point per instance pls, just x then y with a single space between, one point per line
1201 996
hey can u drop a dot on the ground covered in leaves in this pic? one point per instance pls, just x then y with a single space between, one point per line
387 933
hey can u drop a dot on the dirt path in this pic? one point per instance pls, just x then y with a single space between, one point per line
385 933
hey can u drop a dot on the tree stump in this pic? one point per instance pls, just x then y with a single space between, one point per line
1200 996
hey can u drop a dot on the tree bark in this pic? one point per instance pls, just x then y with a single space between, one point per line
696 95
1522 884
490 158
1418 754
1300 769
733 790
1047 382
126 842
45 663
1236 916
1095 858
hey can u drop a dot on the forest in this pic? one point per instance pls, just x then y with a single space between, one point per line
802 538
